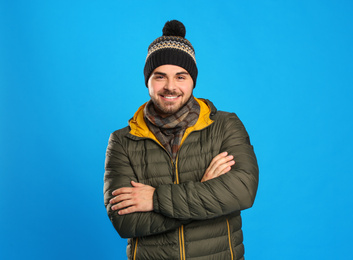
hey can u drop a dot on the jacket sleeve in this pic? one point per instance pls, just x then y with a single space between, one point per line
119 173
220 196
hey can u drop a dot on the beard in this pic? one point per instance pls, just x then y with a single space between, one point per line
167 108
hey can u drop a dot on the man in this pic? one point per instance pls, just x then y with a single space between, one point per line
178 176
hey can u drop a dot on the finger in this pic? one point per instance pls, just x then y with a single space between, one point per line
220 161
123 204
122 191
137 184
219 156
127 210
227 169
224 168
219 168
120 198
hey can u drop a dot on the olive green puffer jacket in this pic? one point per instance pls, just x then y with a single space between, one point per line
190 220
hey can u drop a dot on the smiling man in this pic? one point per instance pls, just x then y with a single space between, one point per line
178 176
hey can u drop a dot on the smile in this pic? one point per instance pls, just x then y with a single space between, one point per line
170 97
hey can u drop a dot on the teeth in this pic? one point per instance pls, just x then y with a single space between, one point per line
170 97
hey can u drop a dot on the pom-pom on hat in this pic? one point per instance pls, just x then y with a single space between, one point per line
171 48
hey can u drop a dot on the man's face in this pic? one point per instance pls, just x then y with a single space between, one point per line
169 87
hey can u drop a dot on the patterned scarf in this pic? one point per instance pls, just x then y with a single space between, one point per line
170 130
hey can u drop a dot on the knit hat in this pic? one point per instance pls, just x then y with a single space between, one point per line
171 48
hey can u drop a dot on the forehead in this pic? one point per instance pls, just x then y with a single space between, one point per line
169 69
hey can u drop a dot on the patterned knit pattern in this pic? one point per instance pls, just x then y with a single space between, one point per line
170 130
173 42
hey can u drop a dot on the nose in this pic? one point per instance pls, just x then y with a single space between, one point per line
169 85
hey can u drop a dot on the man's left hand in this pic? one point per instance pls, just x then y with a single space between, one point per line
138 198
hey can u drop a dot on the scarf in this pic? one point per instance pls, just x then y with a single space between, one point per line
170 130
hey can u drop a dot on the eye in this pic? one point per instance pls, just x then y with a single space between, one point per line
158 77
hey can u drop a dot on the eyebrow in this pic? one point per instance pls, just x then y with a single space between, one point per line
178 73
183 72
159 73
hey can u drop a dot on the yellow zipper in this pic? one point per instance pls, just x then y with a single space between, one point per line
181 228
230 241
135 249
182 243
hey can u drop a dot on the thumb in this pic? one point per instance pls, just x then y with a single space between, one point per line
136 184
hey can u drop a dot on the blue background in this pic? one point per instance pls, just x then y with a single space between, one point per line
71 73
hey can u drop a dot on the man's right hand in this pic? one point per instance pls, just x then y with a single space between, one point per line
221 164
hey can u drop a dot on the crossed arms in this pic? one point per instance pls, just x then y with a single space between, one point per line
139 197
229 184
